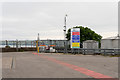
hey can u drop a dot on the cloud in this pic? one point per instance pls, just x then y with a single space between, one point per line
109 34
59 1
24 20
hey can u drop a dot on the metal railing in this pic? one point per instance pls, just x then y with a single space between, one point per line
91 51
59 48
17 43
31 43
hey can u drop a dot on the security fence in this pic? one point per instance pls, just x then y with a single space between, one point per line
31 43
59 46
16 43
90 51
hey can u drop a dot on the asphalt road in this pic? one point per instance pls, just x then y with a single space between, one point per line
56 65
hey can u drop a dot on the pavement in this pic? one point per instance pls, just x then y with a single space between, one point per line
56 65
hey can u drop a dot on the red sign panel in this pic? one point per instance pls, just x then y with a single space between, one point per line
75 33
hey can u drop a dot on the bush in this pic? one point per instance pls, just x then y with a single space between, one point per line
7 46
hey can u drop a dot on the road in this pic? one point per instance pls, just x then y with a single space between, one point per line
58 65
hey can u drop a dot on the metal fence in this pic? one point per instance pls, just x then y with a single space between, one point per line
17 43
91 51
59 47
31 43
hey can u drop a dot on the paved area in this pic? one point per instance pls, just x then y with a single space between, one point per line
55 65
7 62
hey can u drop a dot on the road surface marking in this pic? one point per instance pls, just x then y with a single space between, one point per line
80 69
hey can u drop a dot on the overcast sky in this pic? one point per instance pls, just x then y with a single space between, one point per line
23 20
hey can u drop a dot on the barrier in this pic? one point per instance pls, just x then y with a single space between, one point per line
91 51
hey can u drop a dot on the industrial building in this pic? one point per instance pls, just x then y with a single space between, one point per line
110 42
91 44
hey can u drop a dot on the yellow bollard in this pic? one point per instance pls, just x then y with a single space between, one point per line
38 49
37 46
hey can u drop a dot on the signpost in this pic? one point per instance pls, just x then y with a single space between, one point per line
75 38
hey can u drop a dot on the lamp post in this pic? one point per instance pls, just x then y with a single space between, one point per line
65 27
65 43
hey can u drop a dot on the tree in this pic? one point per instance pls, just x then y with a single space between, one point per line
85 34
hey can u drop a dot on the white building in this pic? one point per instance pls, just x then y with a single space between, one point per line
110 43
91 44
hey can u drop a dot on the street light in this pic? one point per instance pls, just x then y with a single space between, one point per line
65 45
65 27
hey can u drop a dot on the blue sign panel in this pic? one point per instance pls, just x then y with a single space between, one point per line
75 41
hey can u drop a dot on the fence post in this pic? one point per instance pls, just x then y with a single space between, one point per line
104 53
20 44
84 51
13 44
6 43
25 44
78 50
65 46
72 51
17 45
31 43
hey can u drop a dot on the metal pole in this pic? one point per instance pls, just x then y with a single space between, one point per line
20 44
31 43
6 43
13 44
25 43
50 42
65 43
17 45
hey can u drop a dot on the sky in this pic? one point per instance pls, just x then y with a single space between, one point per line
24 20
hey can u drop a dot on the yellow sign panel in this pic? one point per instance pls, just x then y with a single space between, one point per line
75 44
